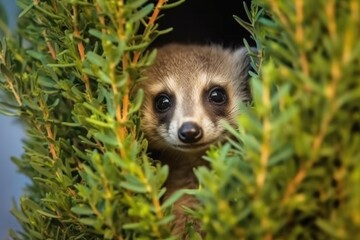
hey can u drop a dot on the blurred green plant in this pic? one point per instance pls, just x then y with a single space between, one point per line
292 167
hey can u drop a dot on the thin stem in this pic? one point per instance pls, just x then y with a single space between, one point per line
330 12
49 46
81 50
349 36
319 138
49 132
122 110
150 23
51 138
299 35
125 100
13 90
265 151
265 147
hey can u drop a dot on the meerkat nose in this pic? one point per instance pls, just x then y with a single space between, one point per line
190 132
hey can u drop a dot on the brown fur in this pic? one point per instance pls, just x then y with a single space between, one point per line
187 72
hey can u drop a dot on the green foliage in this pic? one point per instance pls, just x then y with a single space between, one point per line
292 167
69 77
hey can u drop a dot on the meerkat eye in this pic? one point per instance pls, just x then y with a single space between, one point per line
163 102
217 96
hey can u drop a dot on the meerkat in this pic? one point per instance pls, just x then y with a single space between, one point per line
189 91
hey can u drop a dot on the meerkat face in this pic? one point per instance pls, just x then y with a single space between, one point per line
188 117
189 92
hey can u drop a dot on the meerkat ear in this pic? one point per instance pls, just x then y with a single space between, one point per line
242 60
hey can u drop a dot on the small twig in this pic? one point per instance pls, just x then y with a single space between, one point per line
81 50
122 110
13 90
265 147
151 22
123 115
49 46
299 35
80 45
125 101
100 147
349 36
330 12
51 138
49 132
301 174
319 139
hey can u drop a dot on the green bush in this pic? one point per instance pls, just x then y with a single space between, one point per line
290 171
69 76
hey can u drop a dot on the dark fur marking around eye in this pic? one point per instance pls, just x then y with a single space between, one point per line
216 102
164 107
217 96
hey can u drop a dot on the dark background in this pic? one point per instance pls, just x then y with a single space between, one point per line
204 22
